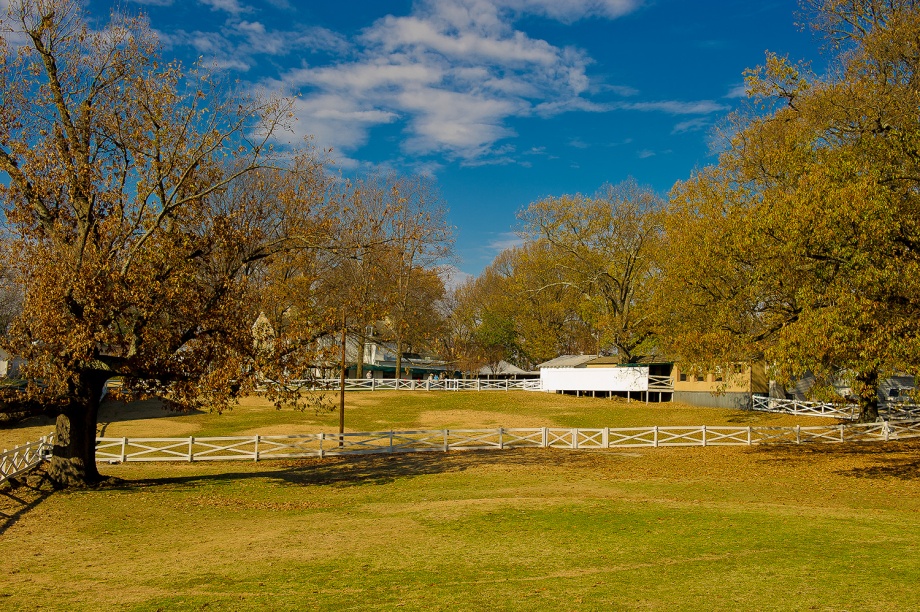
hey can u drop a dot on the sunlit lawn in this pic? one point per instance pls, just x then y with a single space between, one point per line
392 410
824 527
830 527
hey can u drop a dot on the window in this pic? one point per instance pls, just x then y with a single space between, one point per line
683 377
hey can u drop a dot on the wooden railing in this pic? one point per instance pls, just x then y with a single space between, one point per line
261 448
888 411
24 458
444 384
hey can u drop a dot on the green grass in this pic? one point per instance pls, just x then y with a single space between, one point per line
829 528
824 527
392 410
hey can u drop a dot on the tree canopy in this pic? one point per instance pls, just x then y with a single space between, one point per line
801 245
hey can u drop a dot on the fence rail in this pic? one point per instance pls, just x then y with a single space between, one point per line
260 448
23 458
850 412
444 384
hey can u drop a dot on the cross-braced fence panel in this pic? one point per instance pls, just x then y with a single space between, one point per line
797 407
290 447
773 435
473 439
24 458
521 437
632 436
904 429
590 438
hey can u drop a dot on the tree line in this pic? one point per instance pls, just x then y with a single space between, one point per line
799 247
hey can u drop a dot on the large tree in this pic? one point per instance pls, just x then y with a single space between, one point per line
605 248
801 246
133 243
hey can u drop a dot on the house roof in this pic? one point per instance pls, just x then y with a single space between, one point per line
567 361
502 367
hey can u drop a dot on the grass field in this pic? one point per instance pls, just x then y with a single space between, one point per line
386 410
823 527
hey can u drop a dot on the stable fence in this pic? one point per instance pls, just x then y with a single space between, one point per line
898 411
261 448
23 458
398 384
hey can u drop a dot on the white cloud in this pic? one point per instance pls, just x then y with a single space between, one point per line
569 11
455 72
230 6
645 154
738 90
691 125
675 107
503 241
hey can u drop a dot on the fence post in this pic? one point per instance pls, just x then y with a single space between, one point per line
506 384
391 441
749 435
256 458
656 436
606 437
575 438
798 434
501 438
322 453
478 385
445 441
373 384
704 435
545 441
841 433
191 454
124 446
886 430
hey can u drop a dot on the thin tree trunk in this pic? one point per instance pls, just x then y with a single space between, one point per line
868 396
398 358
73 459
359 358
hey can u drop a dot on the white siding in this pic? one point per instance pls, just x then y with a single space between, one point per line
595 379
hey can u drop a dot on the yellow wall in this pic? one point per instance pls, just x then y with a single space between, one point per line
751 379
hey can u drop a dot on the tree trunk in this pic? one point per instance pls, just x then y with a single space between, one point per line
398 358
359 358
73 459
868 396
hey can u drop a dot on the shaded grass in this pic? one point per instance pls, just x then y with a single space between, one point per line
823 527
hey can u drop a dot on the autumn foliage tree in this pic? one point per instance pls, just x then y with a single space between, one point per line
133 238
605 248
801 246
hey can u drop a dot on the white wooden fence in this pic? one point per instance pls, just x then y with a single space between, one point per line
23 458
898 411
260 448
445 384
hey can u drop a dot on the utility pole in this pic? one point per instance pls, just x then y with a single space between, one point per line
342 387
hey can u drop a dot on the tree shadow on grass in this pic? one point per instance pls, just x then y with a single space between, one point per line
20 496
117 411
368 469
880 460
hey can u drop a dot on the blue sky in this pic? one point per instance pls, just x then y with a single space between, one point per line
502 101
